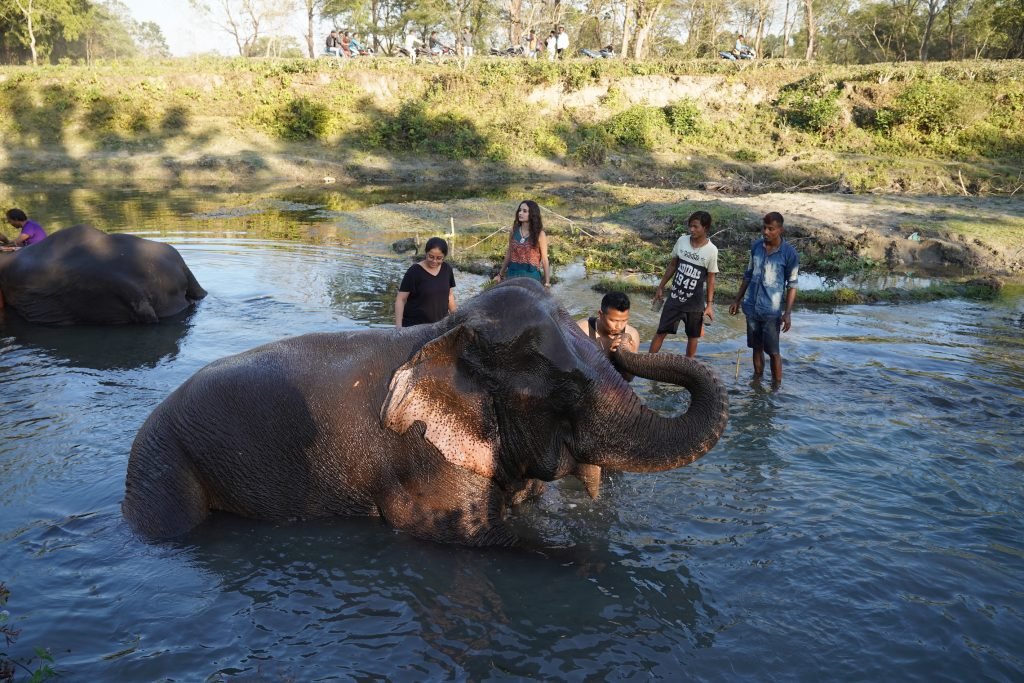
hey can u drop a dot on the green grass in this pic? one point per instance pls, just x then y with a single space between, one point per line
878 126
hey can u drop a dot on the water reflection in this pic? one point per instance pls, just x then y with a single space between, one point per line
346 591
119 347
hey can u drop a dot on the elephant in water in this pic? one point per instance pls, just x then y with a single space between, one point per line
84 276
438 429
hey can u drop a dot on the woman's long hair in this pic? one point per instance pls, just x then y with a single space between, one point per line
536 224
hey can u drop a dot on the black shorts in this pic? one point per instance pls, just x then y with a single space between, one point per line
673 314
764 334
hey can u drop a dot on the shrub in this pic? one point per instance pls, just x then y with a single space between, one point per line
415 129
592 149
684 117
932 107
580 74
811 104
816 113
303 119
547 143
641 127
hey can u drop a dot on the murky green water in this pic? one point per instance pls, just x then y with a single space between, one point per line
863 523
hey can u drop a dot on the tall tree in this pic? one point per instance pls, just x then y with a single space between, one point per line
150 40
646 13
65 15
245 20
314 10
932 10
627 27
809 25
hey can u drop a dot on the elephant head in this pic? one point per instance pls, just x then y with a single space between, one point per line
512 389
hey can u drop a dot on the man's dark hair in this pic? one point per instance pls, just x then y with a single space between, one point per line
703 216
617 300
16 215
773 217
436 243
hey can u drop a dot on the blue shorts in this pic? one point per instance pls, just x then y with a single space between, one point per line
764 334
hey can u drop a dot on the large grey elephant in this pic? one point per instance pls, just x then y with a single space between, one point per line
438 429
84 276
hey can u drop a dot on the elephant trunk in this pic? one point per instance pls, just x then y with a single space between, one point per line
644 441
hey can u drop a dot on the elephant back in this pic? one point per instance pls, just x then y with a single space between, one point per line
81 275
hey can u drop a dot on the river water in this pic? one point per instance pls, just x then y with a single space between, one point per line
864 522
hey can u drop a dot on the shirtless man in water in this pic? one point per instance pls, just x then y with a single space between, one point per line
610 328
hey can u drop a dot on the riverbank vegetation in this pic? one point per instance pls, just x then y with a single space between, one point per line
862 32
951 128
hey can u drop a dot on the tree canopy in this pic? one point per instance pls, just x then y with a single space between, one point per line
42 31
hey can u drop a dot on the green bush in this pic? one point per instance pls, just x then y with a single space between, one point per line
641 127
593 145
934 107
303 119
818 113
684 117
579 75
415 129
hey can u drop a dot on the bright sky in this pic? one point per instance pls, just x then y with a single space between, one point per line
187 33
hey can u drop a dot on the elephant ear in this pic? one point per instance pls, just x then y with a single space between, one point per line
458 414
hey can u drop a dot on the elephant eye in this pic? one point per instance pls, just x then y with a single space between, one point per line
567 397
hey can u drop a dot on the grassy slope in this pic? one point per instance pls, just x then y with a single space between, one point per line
937 128
953 129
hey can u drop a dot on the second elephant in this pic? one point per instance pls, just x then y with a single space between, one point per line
84 276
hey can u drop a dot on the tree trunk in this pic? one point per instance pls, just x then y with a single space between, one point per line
627 29
515 22
933 10
647 12
787 26
950 15
809 20
310 42
26 10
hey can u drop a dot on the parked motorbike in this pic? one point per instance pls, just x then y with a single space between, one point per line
604 53
514 51
734 55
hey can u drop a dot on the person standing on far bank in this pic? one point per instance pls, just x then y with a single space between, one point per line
692 270
767 294
562 43
549 45
466 45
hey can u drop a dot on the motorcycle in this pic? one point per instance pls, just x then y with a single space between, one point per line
604 53
748 53
515 51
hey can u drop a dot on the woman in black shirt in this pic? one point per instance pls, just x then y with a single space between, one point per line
427 292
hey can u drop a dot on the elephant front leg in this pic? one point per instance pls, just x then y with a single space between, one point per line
448 506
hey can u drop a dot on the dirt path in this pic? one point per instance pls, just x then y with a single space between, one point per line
969 234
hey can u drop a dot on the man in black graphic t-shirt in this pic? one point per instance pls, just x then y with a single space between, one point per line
692 270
